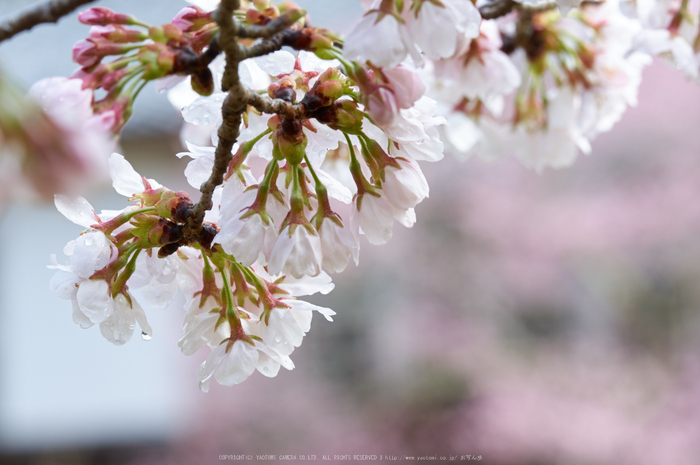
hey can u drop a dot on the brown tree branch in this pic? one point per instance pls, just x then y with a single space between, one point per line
49 12
233 107
236 103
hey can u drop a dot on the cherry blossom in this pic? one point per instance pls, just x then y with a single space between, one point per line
435 29
302 141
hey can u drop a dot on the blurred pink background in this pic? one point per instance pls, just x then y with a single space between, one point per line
528 319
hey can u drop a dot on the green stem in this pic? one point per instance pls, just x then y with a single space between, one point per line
311 169
108 227
231 311
354 164
249 145
356 170
126 274
339 56
245 149
264 188
252 278
122 62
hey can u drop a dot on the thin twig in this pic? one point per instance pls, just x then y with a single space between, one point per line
268 46
277 106
537 8
263 32
496 9
49 12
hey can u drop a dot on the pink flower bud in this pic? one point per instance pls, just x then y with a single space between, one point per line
172 32
112 78
89 52
100 16
382 106
115 116
116 33
84 53
93 79
191 18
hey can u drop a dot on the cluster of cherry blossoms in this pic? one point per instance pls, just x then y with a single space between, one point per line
302 142
298 188
532 79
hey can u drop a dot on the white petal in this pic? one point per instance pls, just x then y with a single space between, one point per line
205 110
308 285
119 327
361 42
252 76
76 209
300 305
94 300
125 179
64 284
237 365
335 188
276 63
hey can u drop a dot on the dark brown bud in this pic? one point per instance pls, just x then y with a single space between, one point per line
207 235
203 82
168 250
283 89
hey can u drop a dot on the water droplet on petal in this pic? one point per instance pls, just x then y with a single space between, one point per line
145 336
278 339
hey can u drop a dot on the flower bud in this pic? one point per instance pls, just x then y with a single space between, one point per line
142 224
157 34
261 5
312 40
174 205
118 34
328 88
322 38
159 60
203 82
168 249
274 122
192 18
256 17
272 11
203 37
292 15
164 232
89 52
92 79
100 16
283 89
342 115
172 32
111 79
291 141
115 110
